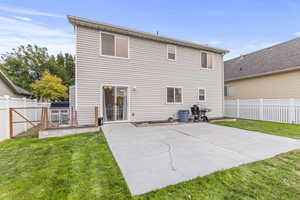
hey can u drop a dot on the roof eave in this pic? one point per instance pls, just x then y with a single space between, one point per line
12 86
122 30
24 93
264 74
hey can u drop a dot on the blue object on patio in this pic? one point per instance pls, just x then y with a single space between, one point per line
183 115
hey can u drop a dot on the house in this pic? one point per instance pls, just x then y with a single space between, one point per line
137 76
271 73
9 89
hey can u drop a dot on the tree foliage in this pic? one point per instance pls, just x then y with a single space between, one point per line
26 64
50 87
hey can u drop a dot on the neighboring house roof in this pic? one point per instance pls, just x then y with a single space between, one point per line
16 89
275 59
125 31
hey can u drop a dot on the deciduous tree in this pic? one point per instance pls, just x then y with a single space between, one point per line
26 64
50 87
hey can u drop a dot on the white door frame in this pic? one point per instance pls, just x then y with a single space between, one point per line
128 101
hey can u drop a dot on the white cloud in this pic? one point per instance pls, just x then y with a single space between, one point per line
297 34
13 27
28 12
54 46
14 33
23 18
215 42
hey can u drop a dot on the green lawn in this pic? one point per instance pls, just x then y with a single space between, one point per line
274 128
81 167
71 167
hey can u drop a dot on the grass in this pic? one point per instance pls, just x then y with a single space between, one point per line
273 128
32 132
82 167
71 167
272 179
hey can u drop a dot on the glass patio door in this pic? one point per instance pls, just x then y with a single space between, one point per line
115 103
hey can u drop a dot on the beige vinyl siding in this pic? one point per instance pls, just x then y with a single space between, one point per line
149 70
5 90
276 86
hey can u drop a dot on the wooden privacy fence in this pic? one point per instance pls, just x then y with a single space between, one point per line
277 110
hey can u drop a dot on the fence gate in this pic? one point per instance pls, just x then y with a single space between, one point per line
24 118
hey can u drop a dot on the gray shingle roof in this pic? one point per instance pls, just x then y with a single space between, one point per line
130 32
16 89
281 57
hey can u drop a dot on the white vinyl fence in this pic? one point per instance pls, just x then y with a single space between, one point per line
277 110
9 102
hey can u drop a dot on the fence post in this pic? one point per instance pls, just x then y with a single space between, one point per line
292 110
42 121
36 110
25 111
59 116
71 115
11 131
238 108
261 109
47 117
9 117
96 116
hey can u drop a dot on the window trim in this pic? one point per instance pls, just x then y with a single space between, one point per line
115 35
168 45
205 94
178 103
209 54
226 90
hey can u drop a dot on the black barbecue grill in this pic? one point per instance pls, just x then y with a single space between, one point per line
199 113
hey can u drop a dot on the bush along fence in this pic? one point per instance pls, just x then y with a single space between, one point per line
277 110
6 103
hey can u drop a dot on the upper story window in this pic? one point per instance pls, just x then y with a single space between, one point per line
171 52
174 95
206 60
229 91
113 45
202 94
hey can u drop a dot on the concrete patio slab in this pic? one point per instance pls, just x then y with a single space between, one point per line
154 157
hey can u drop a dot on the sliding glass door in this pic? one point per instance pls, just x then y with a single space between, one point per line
115 103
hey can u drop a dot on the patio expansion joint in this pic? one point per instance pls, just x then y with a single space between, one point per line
224 149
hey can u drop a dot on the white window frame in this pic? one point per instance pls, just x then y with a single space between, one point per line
174 95
115 36
168 45
205 94
209 54
226 92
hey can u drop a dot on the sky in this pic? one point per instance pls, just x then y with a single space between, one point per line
241 26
